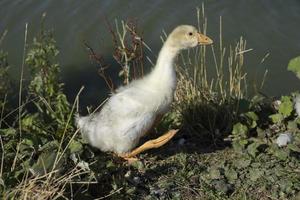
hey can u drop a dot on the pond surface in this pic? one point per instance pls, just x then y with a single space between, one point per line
270 27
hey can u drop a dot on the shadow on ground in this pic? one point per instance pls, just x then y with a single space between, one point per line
203 130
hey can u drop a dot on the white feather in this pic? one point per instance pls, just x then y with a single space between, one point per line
130 113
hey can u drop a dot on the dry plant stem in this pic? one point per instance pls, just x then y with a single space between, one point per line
20 97
58 158
3 36
21 79
2 110
264 79
110 194
47 186
102 67
2 157
128 53
17 109
126 67
137 49
151 144
1 141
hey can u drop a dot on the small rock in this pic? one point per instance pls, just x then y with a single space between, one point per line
181 141
284 139
217 132
276 104
297 105
73 157
128 174
157 192
137 180
84 165
222 186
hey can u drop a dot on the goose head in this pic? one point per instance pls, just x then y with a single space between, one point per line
186 36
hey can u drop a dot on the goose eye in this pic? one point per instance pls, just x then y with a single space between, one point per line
190 33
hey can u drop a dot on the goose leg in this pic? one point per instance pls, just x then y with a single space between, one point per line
151 144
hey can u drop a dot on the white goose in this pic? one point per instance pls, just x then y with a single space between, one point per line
131 112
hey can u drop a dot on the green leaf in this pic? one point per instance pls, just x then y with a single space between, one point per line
252 148
2 182
44 164
50 146
240 130
252 119
138 165
260 133
286 185
281 154
75 147
214 173
292 125
231 175
221 186
8 132
242 163
239 145
294 66
252 115
276 118
255 174
286 106
294 147
257 99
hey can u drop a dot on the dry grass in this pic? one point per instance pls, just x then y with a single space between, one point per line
51 185
207 101
229 79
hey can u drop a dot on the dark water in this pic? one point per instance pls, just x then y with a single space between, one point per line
269 26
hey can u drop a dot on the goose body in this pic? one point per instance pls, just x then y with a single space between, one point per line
132 110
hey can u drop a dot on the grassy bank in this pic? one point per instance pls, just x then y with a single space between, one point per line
226 147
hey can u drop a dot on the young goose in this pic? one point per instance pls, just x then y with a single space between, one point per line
131 112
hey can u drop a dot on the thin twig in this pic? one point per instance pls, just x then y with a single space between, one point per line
102 67
3 36
110 194
57 158
2 157
2 110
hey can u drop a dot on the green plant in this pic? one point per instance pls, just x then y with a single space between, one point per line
254 138
51 103
36 145
294 66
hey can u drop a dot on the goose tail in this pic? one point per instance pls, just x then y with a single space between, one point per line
82 123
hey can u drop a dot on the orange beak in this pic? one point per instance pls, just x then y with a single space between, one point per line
203 39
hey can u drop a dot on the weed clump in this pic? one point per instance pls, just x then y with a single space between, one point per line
36 142
51 103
